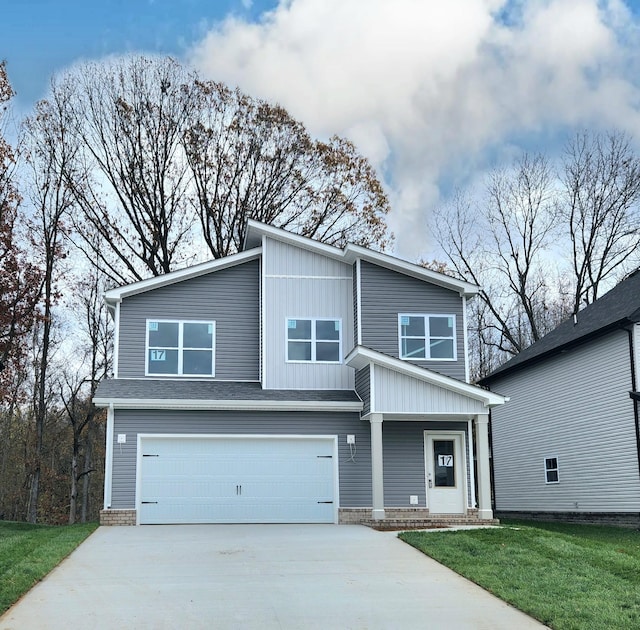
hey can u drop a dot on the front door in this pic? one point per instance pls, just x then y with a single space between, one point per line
445 473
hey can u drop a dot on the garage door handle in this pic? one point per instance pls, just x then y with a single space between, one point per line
325 501
143 455
238 490
148 502
324 456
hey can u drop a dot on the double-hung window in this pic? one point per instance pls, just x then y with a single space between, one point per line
317 340
551 470
427 337
180 348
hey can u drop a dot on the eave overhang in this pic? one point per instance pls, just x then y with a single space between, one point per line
228 405
351 253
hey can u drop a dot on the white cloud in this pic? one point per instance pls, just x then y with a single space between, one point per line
428 89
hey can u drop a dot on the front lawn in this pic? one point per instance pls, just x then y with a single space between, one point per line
566 576
29 552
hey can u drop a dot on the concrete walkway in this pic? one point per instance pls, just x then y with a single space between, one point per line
255 576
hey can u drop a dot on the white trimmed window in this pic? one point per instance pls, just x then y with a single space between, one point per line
180 348
317 340
427 337
551 470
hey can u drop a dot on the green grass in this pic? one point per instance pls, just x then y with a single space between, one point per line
29 552
566 576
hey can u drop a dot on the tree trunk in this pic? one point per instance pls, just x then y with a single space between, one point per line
87 477
74 482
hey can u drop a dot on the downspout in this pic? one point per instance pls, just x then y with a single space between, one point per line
636 414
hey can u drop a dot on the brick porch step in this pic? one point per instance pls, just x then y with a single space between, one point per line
392 524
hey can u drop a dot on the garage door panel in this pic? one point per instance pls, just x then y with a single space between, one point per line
244 480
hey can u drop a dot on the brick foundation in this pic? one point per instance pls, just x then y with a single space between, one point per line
117 517
410 518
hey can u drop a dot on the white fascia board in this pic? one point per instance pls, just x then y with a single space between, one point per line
359 357
229 405
256 230
410 416
352 252
466 289
116 295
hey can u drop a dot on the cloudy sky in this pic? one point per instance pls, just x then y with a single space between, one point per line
434 93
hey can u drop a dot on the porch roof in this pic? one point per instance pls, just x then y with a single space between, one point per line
419 390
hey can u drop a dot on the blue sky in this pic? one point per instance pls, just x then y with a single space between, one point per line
435 94
40 37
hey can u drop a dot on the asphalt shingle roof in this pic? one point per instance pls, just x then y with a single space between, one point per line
619 306
157 389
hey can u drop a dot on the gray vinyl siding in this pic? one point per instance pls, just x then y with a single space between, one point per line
404 460
230 297
576 407
363 388
355 477
386 293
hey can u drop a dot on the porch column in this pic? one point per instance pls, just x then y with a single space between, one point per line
484 476
377 472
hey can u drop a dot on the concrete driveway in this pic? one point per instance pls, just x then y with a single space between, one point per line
255 576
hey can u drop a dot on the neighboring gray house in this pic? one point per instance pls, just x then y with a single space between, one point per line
567 444
294 382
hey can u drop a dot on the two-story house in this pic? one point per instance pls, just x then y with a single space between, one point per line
294 382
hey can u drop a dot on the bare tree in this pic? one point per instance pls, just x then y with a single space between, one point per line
48 155
501 244
601 176
172 167
251 159
79 383
130 115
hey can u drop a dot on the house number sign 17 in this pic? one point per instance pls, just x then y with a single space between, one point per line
445 461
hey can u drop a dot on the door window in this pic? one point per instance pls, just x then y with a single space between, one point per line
443 464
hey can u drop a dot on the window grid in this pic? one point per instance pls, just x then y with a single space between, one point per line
180 348
313 339
551 470
427 338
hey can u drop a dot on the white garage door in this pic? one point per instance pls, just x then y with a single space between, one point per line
236 479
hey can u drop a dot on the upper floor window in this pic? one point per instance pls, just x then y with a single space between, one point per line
180 348
424 337
316 339
551 470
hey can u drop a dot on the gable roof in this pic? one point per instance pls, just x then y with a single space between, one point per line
256 230
115 295
253 249
619 307
361 356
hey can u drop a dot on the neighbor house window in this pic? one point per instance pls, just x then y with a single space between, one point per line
427 337
317 340
551 470
180 348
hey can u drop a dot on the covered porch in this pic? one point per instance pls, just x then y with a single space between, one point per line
429 445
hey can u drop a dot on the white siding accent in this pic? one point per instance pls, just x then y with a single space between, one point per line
302 284
465 331
392 392
116 341
576 407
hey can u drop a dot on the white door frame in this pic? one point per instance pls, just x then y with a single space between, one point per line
460 463
236 436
